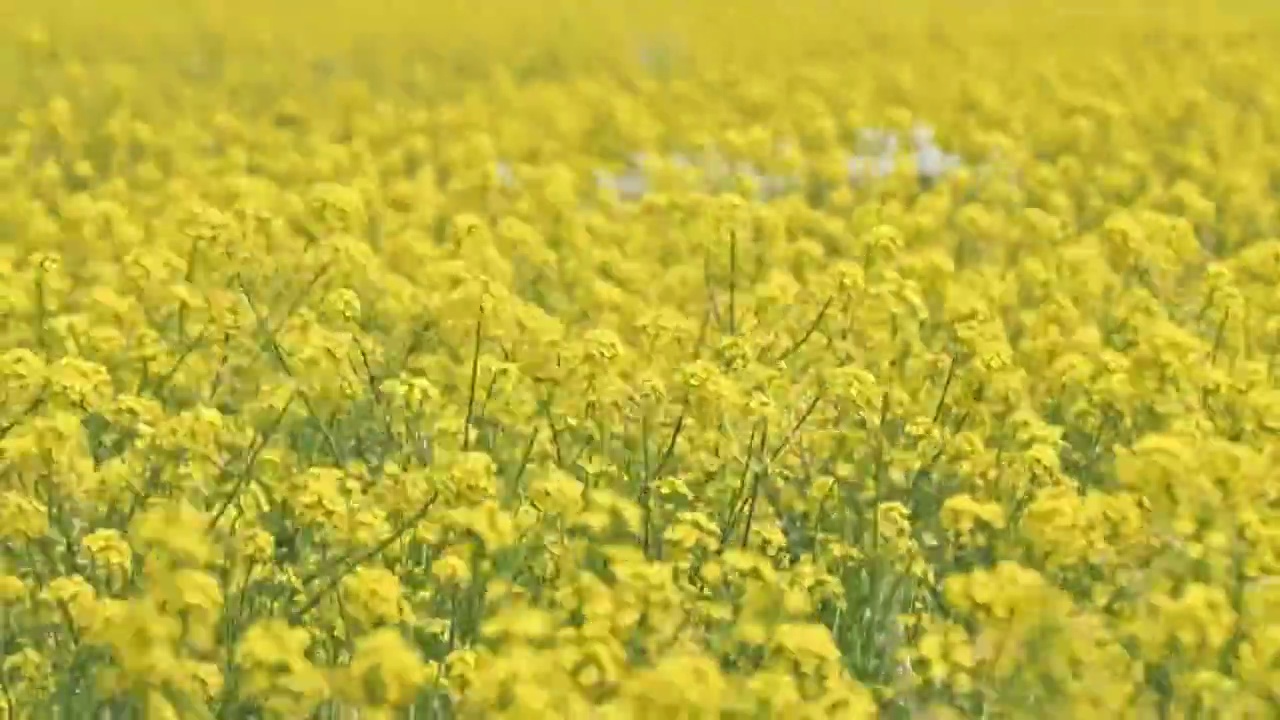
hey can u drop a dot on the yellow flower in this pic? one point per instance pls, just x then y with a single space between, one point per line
24 519
810 646
384 672
682 682
75 596
452 568
109 549
372 597
557 492
176 532
276 670
960 514
519 624
12 589
637 374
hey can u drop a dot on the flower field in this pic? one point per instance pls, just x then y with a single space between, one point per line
629 360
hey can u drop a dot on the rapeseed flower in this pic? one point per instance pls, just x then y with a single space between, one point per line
629 360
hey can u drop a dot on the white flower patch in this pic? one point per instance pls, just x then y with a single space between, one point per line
877 154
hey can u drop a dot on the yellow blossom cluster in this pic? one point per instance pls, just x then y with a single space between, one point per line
625 360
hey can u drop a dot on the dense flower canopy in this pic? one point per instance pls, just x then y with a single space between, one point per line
663 359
